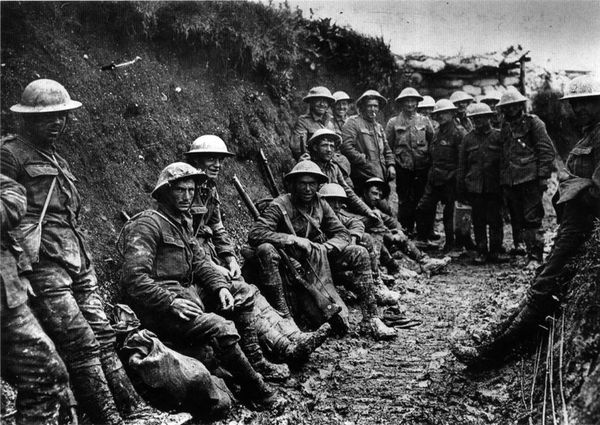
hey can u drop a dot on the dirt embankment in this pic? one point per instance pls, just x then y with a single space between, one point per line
238 70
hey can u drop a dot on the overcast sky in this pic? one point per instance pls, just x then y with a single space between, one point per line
560 34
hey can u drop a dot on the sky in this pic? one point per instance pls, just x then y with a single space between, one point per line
560 34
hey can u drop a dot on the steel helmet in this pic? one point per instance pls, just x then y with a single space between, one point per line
478 109
582 86
369 94
490 97
460 96
319 92
341 95
323 133
443 105
427 102
177 171
43 96
511 96
309 168
209 145
383 186
332 190
408 93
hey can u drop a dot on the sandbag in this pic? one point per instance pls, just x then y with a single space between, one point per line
175 381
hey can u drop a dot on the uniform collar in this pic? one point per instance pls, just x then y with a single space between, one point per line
182 219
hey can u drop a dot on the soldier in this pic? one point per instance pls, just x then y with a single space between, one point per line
425 107
441 183
527 162
394 237
580 195
491 99
208 154
29 360
303 224
67 301
340 111
319 101
410 135
364 142
461 100
178 293
478 181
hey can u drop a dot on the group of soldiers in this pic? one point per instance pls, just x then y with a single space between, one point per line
333 226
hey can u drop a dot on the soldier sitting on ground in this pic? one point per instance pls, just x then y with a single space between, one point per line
207 153
304 225
580 195
394 238
178 293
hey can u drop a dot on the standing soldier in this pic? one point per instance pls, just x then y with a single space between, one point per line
178 293
491 99
461 100
410 135
303 224
29 359
527 162
67 301
441 183
478 181
580 196
340 116
425 107
207 154
319 101
364 142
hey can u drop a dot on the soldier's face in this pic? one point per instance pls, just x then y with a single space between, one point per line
491 103
512 110
210 164
462 105
425 111
481 121
335 203
47 127
319 106
341 108
325 150
182 194
305 188
372 196
371 109
443 117
587 110
409 105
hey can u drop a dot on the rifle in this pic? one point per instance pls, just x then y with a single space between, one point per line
324 302
269 174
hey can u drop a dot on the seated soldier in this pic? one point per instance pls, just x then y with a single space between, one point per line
178 294
305 226
285 339
393 235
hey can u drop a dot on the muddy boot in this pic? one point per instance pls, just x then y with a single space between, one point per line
433 266
492 354
254 388
127 399
377 330
251 347
385 296
274 294
307 342
94 396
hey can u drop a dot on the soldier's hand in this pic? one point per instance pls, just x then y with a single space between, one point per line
302 244
391 175
353 240
374 215
226 299
235 272
543 184
185 309
222 270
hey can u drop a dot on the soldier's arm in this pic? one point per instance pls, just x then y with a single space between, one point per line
139 253
349 148
205 274
388 154
390 133
14 202
338 236
355 227
461 170
429 131
355 204
265 229
544 148
299 137
9 166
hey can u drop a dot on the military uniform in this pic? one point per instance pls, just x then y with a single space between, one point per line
465 122
527 159
67 301
410 139
478 180
338 157
306 125
441 183
366 147
29 358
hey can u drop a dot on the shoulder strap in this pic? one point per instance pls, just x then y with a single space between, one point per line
47 202
286 218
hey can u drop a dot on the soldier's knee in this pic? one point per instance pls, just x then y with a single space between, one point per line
358 256
225 335
244 295
267 253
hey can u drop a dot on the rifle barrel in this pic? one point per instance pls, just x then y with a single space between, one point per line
245 198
